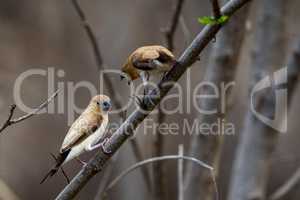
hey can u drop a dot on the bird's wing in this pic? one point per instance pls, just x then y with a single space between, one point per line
143 57
84 126
165 55
140 59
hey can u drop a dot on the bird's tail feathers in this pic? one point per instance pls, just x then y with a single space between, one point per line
59 161
49 174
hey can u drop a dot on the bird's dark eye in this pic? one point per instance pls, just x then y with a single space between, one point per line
98 103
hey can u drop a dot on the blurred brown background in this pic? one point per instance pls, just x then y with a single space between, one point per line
48 33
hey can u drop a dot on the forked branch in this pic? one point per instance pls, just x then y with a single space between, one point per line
11 121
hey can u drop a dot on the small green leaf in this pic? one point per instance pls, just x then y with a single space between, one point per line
208 20
223 19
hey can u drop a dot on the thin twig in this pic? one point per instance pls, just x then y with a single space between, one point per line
155 159
8 122
139 157
180 173
170 31
126 130
11 121
216 9
107 173
287 186
185 30
108 83
89 31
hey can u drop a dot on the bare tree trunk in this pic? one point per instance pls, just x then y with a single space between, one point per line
257 142
221 69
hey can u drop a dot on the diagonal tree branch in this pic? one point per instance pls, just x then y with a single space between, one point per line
97 163
11 121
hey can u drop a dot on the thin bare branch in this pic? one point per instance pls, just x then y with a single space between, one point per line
8 122
159 178
139 157
216 9
155 159
126 130
11 121
89 30
287 186
185 30
170 31
107 173
180 173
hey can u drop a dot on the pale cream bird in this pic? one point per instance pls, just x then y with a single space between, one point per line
86 133
148 61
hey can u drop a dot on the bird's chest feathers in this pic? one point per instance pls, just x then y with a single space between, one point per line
98 134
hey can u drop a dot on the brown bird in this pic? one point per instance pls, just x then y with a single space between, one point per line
85 133
148 61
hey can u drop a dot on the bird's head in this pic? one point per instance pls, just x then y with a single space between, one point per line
101 104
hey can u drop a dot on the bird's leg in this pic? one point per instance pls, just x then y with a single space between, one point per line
102 145
145 78
80 161
163 75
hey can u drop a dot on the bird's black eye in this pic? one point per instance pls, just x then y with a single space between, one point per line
98 103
